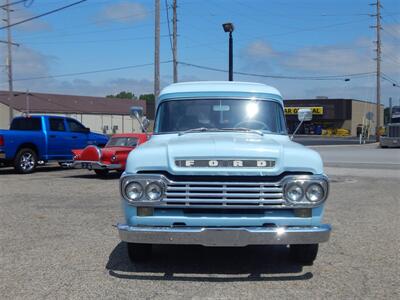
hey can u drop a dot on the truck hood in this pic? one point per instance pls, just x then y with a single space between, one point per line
161 152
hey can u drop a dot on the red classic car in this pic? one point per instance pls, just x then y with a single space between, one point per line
112 157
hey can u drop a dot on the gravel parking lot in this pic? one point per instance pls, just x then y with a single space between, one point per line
57 241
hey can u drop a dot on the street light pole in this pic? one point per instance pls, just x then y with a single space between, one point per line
9 63
230 57
228 27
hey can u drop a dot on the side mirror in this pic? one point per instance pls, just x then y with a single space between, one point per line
146 123
137 113
304 115
86 130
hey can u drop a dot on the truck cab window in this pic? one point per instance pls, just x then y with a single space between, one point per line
57 124
75 126
31 124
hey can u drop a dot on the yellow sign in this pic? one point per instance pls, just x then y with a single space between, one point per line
318 110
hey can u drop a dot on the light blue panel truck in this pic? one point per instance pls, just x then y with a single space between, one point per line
220 170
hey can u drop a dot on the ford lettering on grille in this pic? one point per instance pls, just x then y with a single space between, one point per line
225 163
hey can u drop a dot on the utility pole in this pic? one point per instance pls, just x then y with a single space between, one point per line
157 50
9 62
378 65
174 42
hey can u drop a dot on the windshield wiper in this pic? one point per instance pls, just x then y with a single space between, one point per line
204 129
243 129
199 129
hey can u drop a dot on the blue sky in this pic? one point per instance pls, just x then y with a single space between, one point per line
278 37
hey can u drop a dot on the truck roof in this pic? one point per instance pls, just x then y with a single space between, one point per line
219 88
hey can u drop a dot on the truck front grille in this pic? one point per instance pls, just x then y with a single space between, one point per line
394 130
224 194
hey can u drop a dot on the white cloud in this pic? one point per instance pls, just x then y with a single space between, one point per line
28 62
259 50
31 26
122 12
353 57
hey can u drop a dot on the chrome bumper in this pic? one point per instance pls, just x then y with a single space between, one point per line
224 237
94 165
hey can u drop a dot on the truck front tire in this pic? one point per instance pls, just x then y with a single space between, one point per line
304 254
138 252
26 161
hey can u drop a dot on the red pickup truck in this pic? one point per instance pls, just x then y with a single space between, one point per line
112 157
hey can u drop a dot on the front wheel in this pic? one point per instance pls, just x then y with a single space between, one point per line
138 252
26 161
304 254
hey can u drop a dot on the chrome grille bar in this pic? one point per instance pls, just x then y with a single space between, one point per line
223 194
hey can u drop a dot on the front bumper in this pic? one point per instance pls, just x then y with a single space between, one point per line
225 236
387 141
94 165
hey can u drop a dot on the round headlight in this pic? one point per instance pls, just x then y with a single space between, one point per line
315 192
134 191
294 192
154 191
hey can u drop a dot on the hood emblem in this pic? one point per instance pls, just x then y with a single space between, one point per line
225 163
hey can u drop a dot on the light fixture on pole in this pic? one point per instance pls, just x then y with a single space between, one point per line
228 27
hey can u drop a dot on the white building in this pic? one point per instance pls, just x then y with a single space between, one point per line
103 115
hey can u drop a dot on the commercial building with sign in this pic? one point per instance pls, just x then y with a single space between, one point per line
332 114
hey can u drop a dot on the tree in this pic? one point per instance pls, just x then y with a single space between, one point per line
147 97
123 95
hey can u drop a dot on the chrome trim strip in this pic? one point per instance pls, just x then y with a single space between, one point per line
225 237
95 165
226 195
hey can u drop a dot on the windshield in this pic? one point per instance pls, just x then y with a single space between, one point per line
220 114
122 142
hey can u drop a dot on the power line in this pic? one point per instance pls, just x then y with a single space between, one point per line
43 14
98 41
169 28
90 72
387 77
322 77
14 3
46 36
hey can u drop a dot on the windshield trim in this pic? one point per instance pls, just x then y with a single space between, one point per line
255 98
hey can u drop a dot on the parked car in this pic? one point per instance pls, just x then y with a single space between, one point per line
220 170
38 139
112 157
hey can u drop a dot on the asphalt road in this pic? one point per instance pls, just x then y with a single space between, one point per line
310 140
57 241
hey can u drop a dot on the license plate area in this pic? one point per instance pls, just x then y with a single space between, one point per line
86 165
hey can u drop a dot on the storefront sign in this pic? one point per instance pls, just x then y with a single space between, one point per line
317 110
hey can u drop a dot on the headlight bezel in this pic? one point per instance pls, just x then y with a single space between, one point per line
127 186
305 182
144 181
160 184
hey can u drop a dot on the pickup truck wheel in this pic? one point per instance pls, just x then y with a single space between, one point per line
138 252
304 254
26 161
101 173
